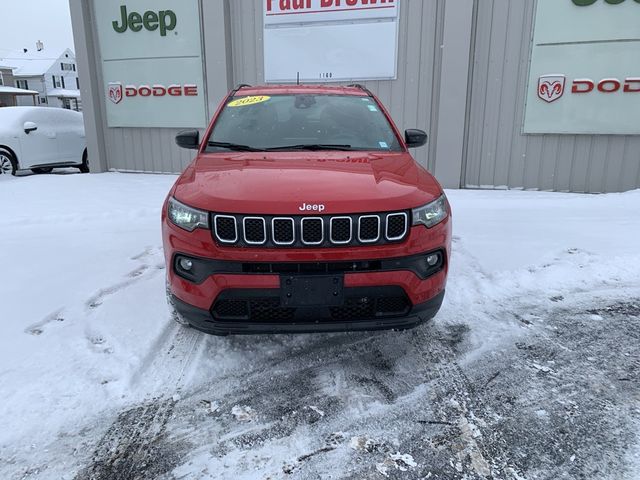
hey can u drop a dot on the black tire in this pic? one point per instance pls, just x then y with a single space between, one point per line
42 170
8 163
84 166
175 315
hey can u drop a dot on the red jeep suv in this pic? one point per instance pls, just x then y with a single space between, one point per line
304 211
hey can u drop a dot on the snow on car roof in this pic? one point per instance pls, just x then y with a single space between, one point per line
13 115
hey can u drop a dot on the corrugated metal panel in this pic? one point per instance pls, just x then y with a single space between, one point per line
410 98
146 150
497 154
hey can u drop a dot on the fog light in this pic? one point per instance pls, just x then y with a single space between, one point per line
186 264
433 259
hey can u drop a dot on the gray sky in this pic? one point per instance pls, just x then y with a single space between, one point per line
26 21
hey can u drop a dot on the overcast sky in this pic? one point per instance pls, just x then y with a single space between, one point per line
26 21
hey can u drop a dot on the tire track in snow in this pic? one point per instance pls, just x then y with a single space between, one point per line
134 446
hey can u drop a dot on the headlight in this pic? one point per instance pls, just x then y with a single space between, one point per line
187 217
432 213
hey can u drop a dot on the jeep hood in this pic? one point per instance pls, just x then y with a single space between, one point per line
279 183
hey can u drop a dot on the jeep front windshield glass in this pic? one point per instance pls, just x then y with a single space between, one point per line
302 122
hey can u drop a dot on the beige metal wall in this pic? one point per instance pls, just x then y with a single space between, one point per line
462 75
497 155
411 99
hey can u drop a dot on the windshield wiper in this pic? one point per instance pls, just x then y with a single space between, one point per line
235 146
311 146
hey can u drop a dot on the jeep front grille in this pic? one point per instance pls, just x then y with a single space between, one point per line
314 231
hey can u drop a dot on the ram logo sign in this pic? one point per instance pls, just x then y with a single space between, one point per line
115 92
551 87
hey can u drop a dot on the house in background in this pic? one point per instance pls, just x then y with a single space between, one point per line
9 94
53 76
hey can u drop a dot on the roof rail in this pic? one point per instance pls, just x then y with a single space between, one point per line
361 87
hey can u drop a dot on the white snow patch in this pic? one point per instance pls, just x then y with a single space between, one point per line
243 413
400 461
317 410
364 444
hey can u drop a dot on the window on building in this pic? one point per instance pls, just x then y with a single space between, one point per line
43 100
56 82
68 67
1 80
22 84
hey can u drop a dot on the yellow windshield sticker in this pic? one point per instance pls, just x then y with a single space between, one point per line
243 102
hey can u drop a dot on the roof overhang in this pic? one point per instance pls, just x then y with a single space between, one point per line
63 93
17 91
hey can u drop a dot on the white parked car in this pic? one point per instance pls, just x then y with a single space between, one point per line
41 139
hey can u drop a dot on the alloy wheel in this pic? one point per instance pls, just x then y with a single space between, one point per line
6 167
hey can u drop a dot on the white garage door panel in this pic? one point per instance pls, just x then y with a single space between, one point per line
340 52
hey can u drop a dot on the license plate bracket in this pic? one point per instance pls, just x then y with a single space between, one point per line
311 290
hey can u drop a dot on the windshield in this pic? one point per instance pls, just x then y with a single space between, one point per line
302 122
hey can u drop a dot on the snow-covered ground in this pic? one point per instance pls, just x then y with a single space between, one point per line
530 371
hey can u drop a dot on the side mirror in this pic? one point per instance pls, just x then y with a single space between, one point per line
415 138
29 127
188 139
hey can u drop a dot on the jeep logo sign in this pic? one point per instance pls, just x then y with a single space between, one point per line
152 69
164 20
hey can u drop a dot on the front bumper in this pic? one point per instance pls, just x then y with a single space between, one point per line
386 272
203 320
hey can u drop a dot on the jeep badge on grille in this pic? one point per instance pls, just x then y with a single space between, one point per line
316 207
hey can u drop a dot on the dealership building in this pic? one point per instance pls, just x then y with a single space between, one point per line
519 94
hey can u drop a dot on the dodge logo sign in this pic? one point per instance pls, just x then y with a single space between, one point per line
551 87
115 92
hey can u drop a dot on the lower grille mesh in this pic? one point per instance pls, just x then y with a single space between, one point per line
231 309
270 310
